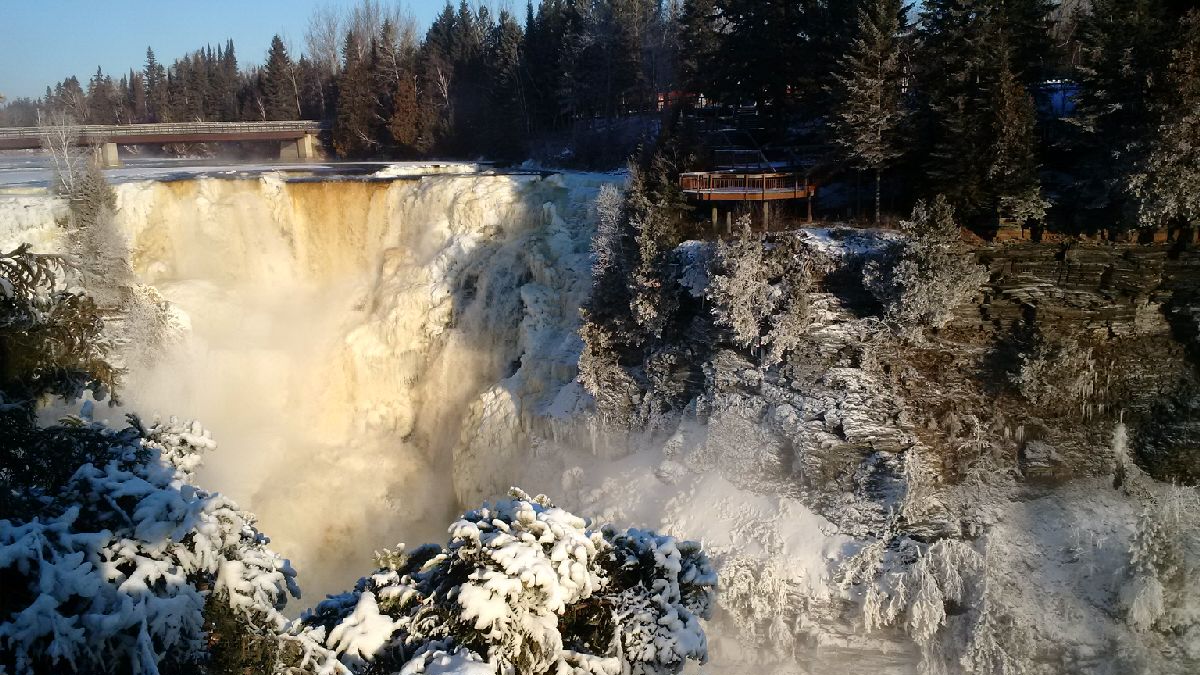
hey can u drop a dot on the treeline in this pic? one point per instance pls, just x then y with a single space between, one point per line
948 98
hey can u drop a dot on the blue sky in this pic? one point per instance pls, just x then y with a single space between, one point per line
43 41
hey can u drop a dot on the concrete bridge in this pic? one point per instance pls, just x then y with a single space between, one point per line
298 140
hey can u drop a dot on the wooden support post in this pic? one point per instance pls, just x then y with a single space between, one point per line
766 216
729 221
811 196
716 217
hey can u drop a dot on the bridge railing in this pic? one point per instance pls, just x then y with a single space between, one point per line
101 131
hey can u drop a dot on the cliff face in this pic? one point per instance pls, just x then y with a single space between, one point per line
1053 409
1137 309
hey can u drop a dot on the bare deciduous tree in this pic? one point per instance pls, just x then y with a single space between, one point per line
60 140
322 38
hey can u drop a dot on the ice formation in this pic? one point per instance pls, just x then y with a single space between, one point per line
375 354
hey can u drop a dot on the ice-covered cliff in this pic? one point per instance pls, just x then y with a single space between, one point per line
374 354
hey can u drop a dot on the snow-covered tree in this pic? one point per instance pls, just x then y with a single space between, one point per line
759 291
741 289
51 338
1013 173
526 587
114 572
871 109
1161 594
921 280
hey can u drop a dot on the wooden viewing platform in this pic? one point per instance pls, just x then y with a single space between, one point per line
722 186
727 186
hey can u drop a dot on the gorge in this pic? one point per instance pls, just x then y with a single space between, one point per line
375 354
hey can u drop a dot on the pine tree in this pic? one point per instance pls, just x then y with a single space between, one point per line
279 84
871 110
1168 184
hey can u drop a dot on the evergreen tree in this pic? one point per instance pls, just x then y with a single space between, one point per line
699 43
1013 174
437 74
1124 49
279 84
508 121
1027 24
354 129
871 109
544 33
229 82
953 57
1168 184
136 98
155 78
102 99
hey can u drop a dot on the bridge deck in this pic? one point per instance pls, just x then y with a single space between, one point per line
746 187
14 138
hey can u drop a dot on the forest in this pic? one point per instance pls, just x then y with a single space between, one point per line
1079 114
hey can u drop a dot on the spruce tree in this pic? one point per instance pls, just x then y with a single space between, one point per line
544 33
508 122
953 58
278 83
1013 174
229 80
870 109
354 128
102 99
1168 184
700 44
155 77
1032 52
1123 45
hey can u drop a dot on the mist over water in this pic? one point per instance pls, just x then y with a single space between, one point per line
338 333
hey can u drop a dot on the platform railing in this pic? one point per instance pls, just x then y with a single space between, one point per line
745 183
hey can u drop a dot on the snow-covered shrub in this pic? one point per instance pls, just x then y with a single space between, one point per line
525 587
904 583
1164 564
115 571
921 280
1058 374
759 291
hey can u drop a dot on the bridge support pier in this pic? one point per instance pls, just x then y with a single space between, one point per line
106 156
301 149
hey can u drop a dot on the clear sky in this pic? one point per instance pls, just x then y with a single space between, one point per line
44 41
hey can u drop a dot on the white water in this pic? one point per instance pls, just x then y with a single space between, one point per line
339 333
